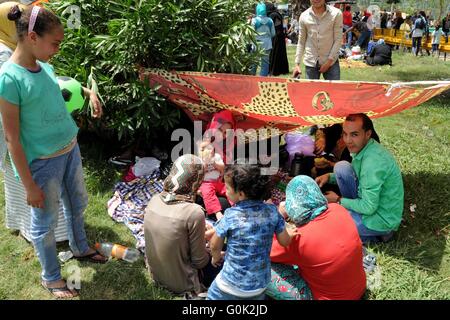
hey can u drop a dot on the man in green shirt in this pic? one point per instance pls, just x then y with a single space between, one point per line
371 186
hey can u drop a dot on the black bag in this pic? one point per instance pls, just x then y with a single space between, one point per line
421 25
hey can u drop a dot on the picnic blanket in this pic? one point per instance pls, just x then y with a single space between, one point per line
352 64
129 202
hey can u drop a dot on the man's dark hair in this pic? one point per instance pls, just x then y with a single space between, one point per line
348 8
367 123
248 179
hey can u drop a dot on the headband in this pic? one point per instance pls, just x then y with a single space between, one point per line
33 17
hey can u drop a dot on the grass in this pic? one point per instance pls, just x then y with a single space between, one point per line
416 265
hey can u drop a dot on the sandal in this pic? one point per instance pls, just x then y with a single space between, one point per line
90 257
54 291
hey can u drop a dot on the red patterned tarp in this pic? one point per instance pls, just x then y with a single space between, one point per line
286 104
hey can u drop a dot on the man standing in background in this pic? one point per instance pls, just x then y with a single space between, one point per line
320 36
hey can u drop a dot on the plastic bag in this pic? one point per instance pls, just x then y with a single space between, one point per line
356 50
299 143
145 166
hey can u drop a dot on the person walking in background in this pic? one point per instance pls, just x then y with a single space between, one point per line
384 18
418 31
446 26
278 56
266 31
319 41
437 33
348 23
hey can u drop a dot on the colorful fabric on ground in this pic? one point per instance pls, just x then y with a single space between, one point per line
129 202
286 104
353 64
278 193
286 284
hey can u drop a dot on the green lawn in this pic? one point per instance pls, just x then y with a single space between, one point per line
416 265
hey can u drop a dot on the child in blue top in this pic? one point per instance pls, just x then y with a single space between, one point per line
249 227
42 141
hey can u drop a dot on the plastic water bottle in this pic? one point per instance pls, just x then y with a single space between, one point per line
296 165
118 251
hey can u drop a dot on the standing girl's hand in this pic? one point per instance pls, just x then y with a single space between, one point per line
94 102
35 196
97 110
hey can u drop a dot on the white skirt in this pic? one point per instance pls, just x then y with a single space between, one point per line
18 212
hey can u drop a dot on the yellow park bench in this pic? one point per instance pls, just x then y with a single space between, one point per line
402 38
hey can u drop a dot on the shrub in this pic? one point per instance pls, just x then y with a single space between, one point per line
118 37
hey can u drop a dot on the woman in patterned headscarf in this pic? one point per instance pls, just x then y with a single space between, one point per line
325 261
174 228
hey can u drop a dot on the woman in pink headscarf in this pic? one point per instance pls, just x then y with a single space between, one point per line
217 150
224 122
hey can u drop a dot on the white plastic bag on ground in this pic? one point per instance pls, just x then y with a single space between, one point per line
145 166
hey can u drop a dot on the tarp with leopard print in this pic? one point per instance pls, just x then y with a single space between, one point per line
286 104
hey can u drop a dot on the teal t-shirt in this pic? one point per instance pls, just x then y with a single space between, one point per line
45 124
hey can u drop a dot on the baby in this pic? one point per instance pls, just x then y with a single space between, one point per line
212 185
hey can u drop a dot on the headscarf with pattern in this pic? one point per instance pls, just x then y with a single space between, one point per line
304 200
184 179
8 34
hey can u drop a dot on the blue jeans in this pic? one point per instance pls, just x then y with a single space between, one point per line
214 293
363 38
265 61
416 43
265 64
348 186
349 36
59 178
334 73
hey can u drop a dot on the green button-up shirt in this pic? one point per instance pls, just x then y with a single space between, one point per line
380 188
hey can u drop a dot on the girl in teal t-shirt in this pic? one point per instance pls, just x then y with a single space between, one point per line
41 139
